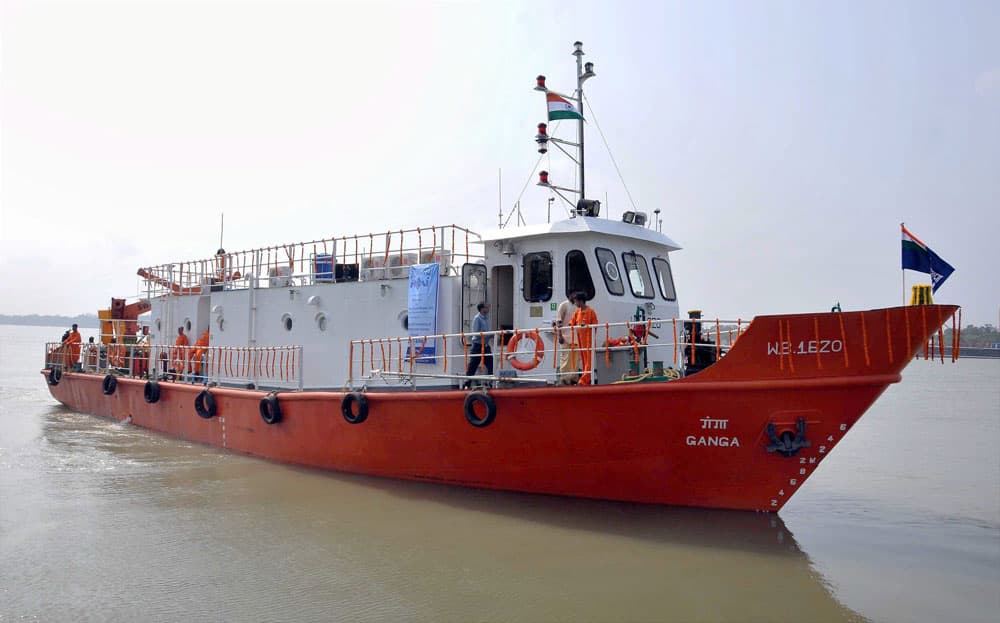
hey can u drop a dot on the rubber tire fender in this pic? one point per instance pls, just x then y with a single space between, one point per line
151 392
270 409
109 384
470 411
347 407
55 375
204 404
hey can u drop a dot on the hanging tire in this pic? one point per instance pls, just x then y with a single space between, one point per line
347 408
270 409
151 392
109 384
55 375
470 409
204 404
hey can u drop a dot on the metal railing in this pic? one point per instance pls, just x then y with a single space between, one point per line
262 366
548 360
367 257
61 356
278 367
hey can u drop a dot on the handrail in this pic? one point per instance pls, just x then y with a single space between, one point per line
264 366
375 357
374 256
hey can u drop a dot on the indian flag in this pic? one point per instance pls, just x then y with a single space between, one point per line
919 257
560 108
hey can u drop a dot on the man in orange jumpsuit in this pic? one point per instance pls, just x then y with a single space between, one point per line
72 348
200 348
180 351
583 316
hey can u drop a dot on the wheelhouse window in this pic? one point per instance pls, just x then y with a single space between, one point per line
537 277
578 275
609 269
664 278
638 275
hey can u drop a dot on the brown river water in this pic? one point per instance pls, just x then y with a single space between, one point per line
101 521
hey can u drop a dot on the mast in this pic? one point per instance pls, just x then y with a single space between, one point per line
578 53
584 71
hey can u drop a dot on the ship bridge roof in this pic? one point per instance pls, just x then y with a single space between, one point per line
583 224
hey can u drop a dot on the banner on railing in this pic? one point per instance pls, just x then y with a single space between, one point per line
422 308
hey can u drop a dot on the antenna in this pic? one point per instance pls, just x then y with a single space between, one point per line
222 228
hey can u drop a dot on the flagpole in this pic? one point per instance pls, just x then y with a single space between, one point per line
902 227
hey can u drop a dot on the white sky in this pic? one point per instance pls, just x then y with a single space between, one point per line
784 141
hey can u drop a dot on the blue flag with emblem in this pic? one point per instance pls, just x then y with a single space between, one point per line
919 257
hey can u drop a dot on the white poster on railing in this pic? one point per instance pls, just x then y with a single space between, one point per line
422 309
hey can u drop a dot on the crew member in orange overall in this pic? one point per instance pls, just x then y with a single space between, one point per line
180 351
584 336
72 347
200 348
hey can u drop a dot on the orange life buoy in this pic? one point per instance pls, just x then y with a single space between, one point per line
116 355
512 350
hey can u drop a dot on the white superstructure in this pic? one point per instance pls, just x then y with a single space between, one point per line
358 288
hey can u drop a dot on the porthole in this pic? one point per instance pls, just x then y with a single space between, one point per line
222 323
187 325
321 321
159 325
612 271
404 319
286 321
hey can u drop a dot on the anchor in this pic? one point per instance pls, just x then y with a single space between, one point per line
787 444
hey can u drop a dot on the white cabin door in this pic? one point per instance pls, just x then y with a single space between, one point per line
473 292
502 297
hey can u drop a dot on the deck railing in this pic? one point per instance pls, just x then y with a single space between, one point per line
647 343
367 257
277 367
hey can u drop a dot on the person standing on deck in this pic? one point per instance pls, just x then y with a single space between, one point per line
180 351
72 347
200 348
481 351
584 316
91 355
564 335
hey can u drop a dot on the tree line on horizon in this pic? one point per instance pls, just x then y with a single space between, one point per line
86 321
975 337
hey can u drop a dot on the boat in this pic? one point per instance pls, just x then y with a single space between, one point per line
352 352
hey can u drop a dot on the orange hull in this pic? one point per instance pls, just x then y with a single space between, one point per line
698 441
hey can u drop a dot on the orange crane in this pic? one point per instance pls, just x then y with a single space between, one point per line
121 320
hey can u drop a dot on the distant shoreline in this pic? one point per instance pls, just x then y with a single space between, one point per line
38 320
